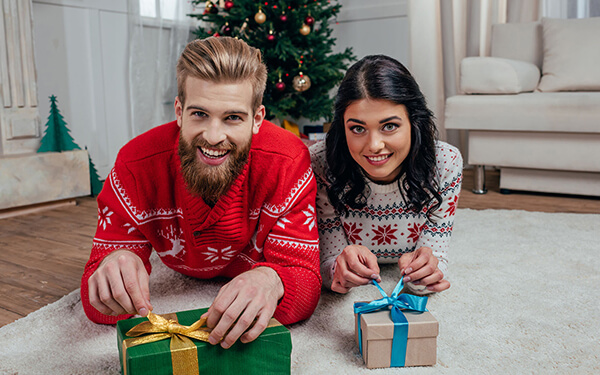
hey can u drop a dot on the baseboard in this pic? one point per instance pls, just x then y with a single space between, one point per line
549 181
36 208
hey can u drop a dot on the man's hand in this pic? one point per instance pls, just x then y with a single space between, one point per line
421 268
355 266
250 299
120 285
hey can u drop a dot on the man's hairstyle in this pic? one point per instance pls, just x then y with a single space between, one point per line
222 60
381 77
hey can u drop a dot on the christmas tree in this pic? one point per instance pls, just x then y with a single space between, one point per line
294 37
57 137
95 182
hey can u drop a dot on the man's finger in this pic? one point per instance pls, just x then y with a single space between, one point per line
228 307
105 295
261 324
133 288
118 291
220 304
95 301
241 325
144 280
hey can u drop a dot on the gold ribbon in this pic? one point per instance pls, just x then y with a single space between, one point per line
184 355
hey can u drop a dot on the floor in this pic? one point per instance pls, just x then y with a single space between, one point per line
43 253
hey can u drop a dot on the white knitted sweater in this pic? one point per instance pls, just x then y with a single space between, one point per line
385 225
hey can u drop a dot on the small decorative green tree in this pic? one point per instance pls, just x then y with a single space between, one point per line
295 39
57 137
95 182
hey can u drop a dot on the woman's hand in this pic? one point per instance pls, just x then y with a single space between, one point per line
421 268
355 266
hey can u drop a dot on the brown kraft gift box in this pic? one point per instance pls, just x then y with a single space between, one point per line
378 332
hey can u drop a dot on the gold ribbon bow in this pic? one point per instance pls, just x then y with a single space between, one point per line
184 354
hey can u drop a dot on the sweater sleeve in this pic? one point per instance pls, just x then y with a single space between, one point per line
116 230
437 230
292 245
332 238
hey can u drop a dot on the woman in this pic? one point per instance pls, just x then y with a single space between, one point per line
387 189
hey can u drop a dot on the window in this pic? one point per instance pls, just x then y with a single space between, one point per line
571 8
166 9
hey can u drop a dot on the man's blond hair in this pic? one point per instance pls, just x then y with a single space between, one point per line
222 60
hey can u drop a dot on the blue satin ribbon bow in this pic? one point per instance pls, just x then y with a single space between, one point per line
397 302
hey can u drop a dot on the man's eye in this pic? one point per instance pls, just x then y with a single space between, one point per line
199 114
234 118
357 129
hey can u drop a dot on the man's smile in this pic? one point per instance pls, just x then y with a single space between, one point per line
213 153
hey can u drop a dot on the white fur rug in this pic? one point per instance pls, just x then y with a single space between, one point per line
524 299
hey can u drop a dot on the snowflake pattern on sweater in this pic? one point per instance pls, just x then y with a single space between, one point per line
385 225
267 217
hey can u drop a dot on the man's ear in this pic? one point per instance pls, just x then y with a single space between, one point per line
259 116
178 111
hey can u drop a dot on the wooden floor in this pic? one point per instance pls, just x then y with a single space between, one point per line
42 254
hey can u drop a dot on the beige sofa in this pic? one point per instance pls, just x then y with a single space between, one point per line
533 108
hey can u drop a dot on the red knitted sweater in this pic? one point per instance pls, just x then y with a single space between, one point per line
267 218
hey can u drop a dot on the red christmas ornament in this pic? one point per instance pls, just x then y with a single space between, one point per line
228 5
271 36
283 17
309 20
280 86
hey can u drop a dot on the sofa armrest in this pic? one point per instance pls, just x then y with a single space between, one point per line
495 75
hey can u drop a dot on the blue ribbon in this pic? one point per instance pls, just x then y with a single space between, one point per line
398 302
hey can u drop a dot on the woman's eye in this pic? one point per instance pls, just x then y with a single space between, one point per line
357 129
390 127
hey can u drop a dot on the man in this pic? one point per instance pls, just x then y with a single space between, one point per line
218 192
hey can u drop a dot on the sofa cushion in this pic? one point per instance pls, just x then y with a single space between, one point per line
552 112
518 41
571 54
494 75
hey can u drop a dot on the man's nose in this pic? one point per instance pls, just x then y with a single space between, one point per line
214 134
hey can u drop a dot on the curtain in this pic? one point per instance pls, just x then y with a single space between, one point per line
158 33
443 32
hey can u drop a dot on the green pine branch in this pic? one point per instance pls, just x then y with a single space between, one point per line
283 56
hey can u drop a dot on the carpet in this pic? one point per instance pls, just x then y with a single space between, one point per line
524 299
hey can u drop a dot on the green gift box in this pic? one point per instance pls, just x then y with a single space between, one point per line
270 353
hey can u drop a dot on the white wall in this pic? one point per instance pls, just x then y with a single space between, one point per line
374 27
81 57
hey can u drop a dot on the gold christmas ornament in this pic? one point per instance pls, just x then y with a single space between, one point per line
301 82
260 17
305 29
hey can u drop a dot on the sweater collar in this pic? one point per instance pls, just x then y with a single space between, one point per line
198 213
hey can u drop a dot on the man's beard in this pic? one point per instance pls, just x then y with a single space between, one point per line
211 182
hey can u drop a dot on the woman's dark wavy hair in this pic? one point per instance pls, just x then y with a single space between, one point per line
383 78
